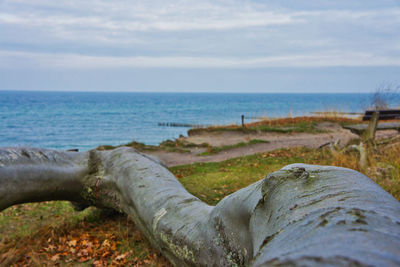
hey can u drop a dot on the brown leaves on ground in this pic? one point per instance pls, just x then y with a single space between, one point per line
113 242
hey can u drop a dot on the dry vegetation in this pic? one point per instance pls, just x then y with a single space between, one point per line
304 119
52 233
282 125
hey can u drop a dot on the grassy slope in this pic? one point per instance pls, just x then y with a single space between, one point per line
216 149
46 230
51 232
35 223
284 125
212 181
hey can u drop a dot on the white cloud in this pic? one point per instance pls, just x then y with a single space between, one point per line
190 33
186 15
75 61
143 22
125 23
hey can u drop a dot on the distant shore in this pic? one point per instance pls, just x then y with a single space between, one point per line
218 143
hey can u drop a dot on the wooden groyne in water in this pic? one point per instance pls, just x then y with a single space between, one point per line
178 124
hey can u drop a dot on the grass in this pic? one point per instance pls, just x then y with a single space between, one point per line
46 213
216 149
133 144
179 146
168 145
285 125
39 234
212 181
52 233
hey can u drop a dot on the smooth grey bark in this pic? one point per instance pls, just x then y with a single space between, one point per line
299 215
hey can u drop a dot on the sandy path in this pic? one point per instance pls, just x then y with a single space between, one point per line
276 141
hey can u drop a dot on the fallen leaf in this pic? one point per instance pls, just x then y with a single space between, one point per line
106 243
105 254
55 257
83 259
72 243
50 248
98 263
89 250
82 252
120 257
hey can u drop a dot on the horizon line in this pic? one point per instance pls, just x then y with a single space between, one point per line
185 92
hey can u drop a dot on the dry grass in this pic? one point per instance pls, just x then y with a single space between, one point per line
40 234
212 181
283 125
304 119
383 165
91 239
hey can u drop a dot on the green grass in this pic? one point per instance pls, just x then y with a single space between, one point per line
40 214
28 230
168 145
300 127
25 229
216 149
212 181
134 144
283 125
257 141
179 146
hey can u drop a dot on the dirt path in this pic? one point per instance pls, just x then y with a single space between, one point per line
276 141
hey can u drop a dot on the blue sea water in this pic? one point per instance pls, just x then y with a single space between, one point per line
65 120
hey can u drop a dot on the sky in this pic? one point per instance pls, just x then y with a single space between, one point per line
301 46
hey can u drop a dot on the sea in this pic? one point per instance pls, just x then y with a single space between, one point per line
86 120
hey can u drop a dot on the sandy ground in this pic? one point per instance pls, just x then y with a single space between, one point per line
276 141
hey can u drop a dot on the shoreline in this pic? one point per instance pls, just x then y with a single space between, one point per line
219 143
209 182
83 121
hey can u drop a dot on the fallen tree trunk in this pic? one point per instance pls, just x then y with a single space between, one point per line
300 215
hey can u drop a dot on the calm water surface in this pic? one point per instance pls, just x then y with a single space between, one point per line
65 120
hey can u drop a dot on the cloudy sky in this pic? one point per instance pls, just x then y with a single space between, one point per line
199 46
